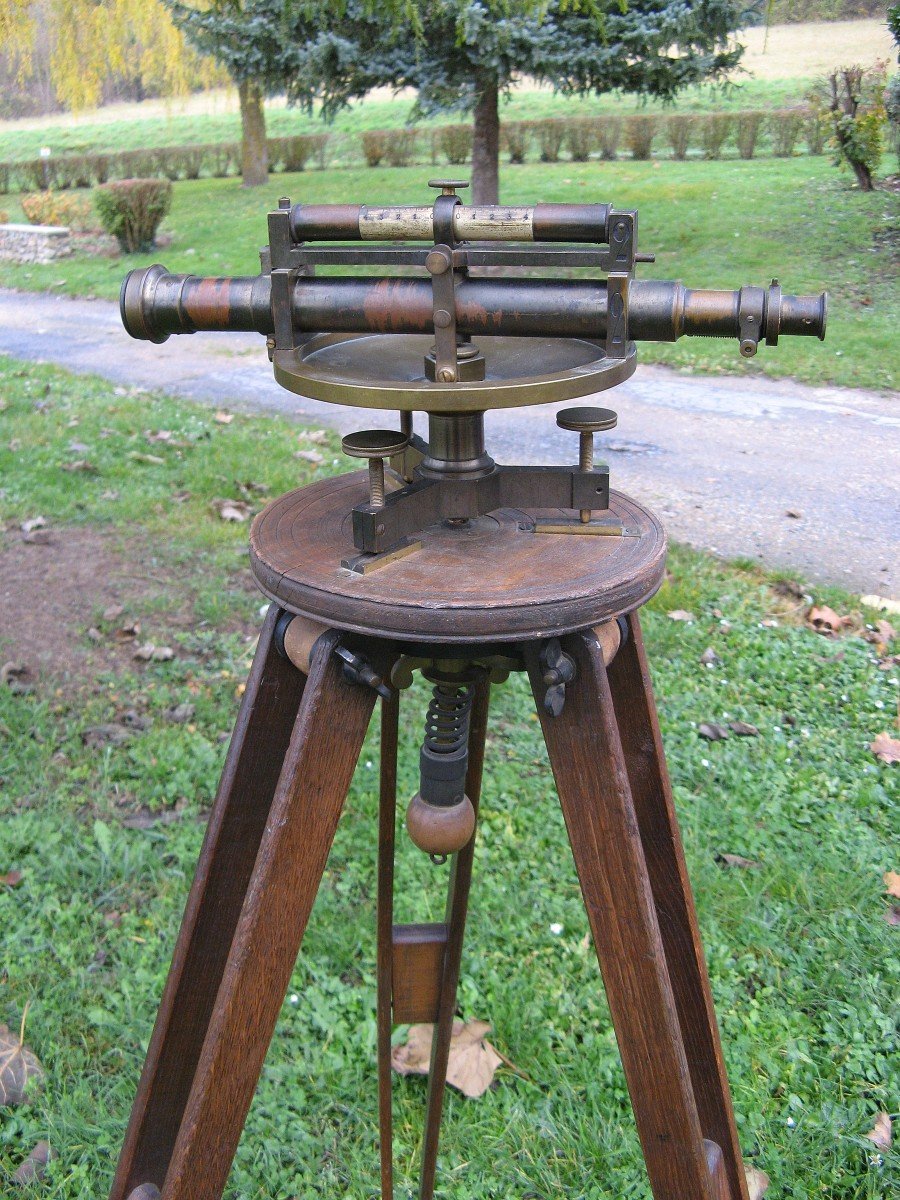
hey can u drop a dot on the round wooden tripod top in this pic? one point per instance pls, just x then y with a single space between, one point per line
494 580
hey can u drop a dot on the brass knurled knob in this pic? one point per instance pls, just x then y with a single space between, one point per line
375 445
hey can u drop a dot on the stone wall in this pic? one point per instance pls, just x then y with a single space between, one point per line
34 243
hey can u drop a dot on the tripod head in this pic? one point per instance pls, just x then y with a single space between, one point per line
455 336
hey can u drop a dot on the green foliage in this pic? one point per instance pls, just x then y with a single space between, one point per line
679 130
610 134
856 102
516 138
551 136
374 144
785 127
51 208
402 146
132 210
581 138
455 143
892 111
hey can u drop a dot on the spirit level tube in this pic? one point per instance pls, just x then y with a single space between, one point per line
155 304
483 223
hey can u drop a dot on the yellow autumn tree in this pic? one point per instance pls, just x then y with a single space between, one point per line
95 40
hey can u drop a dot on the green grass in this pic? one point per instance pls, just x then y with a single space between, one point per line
711 224
176 129
804 967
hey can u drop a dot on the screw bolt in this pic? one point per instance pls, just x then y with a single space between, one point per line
375 445
586 422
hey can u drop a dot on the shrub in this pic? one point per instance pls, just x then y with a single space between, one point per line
550 135
222 158
401 147
640 130
856 103
816 132
892 109
51 208
132 209
715 131
785 127
609 131
455 142
748 125
679 128
581 138
4 217
5 178
374 145
516 136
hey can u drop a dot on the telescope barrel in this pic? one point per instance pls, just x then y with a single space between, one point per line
155 304
485 223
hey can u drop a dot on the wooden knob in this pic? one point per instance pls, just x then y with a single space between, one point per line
440 829
586 420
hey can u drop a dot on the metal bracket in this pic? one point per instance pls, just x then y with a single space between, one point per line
557 669
751 306
357 670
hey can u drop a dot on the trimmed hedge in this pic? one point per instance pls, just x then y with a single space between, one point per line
132 209
578 138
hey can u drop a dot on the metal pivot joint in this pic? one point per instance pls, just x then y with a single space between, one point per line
557 669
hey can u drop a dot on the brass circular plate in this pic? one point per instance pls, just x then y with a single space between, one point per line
495 580
587 420
374 443
386 370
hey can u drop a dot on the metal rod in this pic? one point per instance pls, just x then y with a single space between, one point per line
457 907
387 819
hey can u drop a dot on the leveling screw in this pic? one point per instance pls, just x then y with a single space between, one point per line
376 445
586 422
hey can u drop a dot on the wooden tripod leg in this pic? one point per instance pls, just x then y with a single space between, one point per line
322 754
457 908
238 817
591 778
387 820
629 680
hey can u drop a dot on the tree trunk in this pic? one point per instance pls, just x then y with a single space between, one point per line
486 143
254 151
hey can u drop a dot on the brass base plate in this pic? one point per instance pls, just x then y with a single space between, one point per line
385 370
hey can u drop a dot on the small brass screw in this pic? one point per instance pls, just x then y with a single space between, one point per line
586 422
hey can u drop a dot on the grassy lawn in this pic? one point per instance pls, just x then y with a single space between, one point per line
712 224
804 965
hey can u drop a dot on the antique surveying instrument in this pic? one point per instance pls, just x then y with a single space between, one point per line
437 560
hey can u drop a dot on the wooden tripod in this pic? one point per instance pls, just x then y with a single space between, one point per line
298 736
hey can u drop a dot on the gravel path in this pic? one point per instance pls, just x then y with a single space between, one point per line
723 460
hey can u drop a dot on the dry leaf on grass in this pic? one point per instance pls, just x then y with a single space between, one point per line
886 748
150 652
81 464
20 1071
825 620
17 677
223 418
892 916
35 1164
232 510
112 734
316 436
892 884
743 729
680 614
882 602
712 732
757 1182
34 523
880 1133
152 460
310 456
709 657
472 1064
11 879
881 634
737 860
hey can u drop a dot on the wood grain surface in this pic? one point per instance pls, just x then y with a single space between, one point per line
490 581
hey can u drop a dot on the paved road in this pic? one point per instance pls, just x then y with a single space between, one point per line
723 460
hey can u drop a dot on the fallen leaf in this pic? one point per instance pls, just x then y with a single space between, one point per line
769 623
892 916
150 652
180 713
892 884
713 732
34 523
109 494
757 1182
17 677
232 510
113 612
743 729
788 588
824 619
680 614
145 819
882 602
38 537
316 436
11 879
111 734
161 435
78 448
311 456
886 748
134 720
250 488
472 1064
34 1166
18 1068
709 657
80 464
880 1133
152 460
223 418
125 633
736 860
794 513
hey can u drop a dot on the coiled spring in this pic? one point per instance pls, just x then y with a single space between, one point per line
447 719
